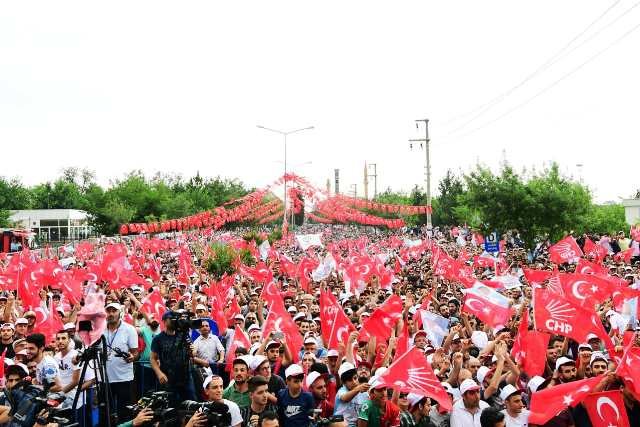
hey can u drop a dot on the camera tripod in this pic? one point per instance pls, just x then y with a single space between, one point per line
97 353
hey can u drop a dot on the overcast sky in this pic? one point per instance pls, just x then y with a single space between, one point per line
180 87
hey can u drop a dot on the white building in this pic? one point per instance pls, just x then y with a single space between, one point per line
632 211
54 225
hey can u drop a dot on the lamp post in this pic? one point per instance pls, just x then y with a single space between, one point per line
285 134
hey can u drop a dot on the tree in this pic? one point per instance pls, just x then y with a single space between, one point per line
450 189
602 219
544 205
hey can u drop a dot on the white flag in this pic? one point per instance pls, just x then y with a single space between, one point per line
307 240
324 269
264 250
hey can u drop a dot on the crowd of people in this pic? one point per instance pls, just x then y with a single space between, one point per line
249 372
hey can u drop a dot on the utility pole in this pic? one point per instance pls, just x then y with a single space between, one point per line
374 175
427 168
366 182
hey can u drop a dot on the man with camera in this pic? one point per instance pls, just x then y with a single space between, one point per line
171 359
213 390
122 349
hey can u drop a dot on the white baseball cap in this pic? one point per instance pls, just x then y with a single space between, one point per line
299 316
113 305
468 385
414 399
239 317
311 377
598 355
310 340
256 361
69 326
345 367
293 370
201 307
481 373
564 361
206 381
507 391
292 309
253 327
333 353
22 321
535 382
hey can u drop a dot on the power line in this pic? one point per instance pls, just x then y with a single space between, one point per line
560 54
555 83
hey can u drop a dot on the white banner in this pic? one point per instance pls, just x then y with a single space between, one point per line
307 240
323 270
264 250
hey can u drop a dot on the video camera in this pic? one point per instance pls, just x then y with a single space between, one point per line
158 402
217 413
326 422
182 320
27 401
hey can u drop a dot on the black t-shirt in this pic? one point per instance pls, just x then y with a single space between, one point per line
9 347
173 352
276 384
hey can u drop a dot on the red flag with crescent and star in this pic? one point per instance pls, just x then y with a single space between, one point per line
606 409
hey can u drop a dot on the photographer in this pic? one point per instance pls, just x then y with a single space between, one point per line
146 415
171 360
213 391
122 344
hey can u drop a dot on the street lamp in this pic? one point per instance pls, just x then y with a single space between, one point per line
285 134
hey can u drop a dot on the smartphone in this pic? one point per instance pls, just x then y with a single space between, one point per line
278 335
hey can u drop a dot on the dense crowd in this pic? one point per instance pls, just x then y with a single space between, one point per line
223 342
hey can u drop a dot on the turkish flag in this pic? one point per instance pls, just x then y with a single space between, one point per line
556 314
340 330
594 251
402 346
383 319
278 320
154 305
606 409
328 308
547 403
4 353
71 287
565 251
624 256
536 276
585 289
185 266
629 370
588 267
411 373
48 323
303 272
487 305
259 274
269 292
534 355
217 306
518 349
287 267
240 339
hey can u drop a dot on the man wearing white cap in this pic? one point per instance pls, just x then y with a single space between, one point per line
417 414
124 337
317 385
348 400
295 406
212 386
466 411
515 414
378 411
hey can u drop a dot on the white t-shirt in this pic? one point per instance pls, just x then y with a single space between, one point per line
66 369
234 410
208 348
460 417
522 420
125 338
47 370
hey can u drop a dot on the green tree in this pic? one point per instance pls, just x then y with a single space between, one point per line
604 219
545 204
450 189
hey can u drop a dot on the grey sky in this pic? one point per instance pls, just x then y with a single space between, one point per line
180 87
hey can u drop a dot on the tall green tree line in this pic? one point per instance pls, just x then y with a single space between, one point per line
133 198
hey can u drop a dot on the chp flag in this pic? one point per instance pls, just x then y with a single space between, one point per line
487 304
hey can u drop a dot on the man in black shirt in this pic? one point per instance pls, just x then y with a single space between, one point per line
258 392
171 361
6 340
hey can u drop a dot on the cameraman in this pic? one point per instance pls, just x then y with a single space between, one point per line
171 360
144 416
121 338
213 391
